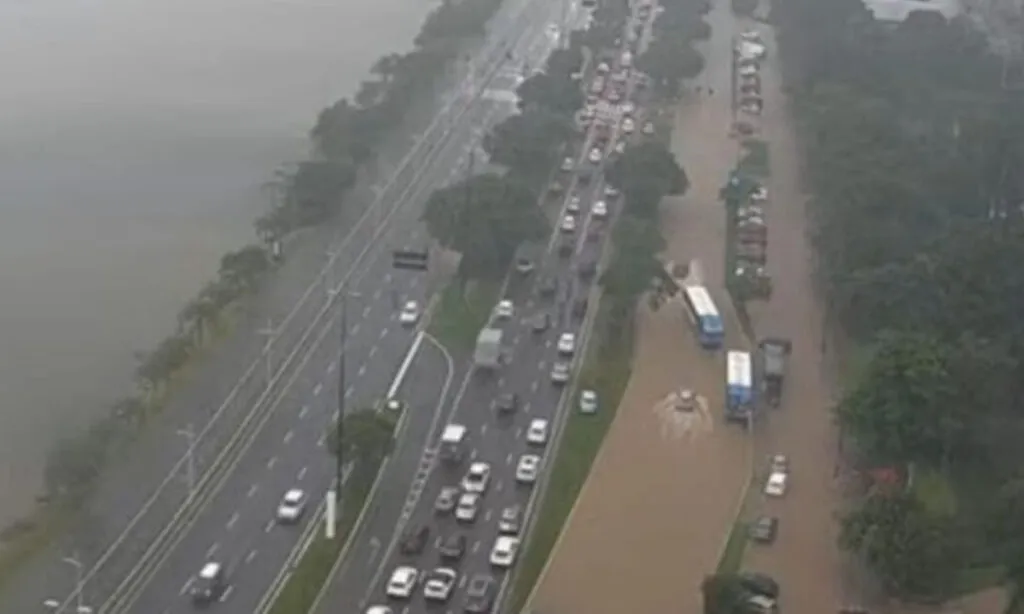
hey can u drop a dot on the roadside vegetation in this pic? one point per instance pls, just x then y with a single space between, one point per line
369 436
913 139
345 139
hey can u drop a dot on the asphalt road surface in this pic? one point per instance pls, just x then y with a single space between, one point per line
236 525
113 512
497 440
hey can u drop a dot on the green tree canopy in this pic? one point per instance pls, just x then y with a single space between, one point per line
668 61
913 552
367 437
723 594
484 218
646 173
528 143
549 93
316 189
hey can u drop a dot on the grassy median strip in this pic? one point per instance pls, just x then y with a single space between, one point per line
463 310
735 547
607 370
309 577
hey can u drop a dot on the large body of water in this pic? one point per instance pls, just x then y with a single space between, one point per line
134 137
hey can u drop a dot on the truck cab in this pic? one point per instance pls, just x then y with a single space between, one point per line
453 443
774 356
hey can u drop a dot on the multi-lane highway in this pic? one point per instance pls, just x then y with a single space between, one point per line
497 440
291 409
235 525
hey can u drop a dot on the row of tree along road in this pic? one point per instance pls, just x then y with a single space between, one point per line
913 138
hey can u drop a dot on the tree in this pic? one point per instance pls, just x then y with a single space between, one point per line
906 405
551 93
241 269
316 189
913 553
636 242
668 61
528 143
723 594
367 437
647 173
484 218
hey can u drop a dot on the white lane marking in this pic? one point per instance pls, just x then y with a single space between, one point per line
212 550
187 585
317 389
271 462
366 311
383 332
249 557
231 521
269 527
462 581
476 547
472 454
227 593
387 278
541 365
533 386
362 370
348 392
415 281
355 329
487 515
508 459
519 433
332 366
252 491
501 382
483 428
373 350
526 406
320 442
336 414
500 487
376 295
303 411
302 473
288 436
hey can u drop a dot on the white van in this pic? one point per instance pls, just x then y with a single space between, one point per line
453 443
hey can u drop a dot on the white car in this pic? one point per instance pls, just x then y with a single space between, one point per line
477 478
603 68
503 554
776 485
779 464
410 314
748 70
595 155
567 344
560 373
527 468
760 195
611 191
379 609
573 206
627 108
293 504
568 164
648 128
599 210
504 310
468 507
537 432
628 125
439 584
403 582
588 402
568 224
620 147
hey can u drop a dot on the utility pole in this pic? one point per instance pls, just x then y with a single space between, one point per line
190 458
334 494
269 332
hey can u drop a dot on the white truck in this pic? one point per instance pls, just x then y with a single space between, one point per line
488 349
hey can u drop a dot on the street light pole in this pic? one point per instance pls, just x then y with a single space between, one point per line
269 333
190 458
79 584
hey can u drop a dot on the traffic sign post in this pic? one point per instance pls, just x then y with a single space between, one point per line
412 260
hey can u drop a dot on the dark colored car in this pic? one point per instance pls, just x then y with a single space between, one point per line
565 246
480 594
453 547
414 540
579 307
587 269
547 287
540 323
210 584
759 584
507 403
764 529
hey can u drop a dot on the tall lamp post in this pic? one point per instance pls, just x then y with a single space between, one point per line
334 495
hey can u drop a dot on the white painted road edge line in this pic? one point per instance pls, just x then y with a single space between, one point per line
404 368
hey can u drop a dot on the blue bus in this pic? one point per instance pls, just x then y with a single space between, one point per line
739 385
704 315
